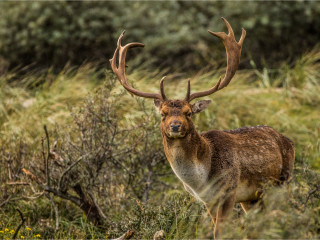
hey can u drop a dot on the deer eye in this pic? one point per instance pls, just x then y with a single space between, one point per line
163 115
189 114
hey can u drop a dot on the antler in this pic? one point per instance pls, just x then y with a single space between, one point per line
120 71
233 50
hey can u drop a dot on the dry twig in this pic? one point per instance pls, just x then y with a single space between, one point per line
56 211
48 155
22 222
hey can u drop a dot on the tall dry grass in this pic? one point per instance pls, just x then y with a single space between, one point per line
286 99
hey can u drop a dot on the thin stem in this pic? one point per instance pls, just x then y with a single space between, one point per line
48 155
55 210
18 228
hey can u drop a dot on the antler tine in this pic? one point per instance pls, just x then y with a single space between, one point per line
164 98
233 50
230 30
243 35
120 71
188 92
204 93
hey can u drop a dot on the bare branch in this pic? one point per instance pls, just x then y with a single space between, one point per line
310 193
32 176
22 222
17 183
43 154
99 209
69 197
48 155
68 169
5 201
55 210
9 170
27 198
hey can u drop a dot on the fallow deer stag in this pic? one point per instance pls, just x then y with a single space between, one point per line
219 168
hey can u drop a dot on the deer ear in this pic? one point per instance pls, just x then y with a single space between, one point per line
200 106
157 103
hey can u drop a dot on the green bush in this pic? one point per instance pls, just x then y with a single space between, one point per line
53 33
175 33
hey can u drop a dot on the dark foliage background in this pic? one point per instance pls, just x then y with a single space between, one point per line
53 33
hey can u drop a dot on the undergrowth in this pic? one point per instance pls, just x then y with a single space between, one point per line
286 98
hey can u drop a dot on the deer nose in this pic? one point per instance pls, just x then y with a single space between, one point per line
175 126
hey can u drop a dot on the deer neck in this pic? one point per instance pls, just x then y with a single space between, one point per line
192 148
189 158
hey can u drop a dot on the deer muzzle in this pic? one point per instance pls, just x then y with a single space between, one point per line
175 129
175 126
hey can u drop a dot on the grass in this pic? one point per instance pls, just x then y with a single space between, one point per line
23 111
286 98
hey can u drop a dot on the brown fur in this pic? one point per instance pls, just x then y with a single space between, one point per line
234 164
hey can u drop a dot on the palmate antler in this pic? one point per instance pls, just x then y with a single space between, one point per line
233 50
121 74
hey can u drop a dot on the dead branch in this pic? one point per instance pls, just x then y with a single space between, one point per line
9 170
5 201
68 169
48 155
99 210
27 198
56 211
85 201
310 193
88 206
65 196
32 176
43 153
17 183
22 222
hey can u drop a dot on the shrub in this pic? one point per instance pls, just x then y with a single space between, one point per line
175 33
97 164
54 33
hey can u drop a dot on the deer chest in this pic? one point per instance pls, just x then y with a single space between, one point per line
190 172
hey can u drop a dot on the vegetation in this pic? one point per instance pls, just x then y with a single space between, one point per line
81 158
175 32
108 153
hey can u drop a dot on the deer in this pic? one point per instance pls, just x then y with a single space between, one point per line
219 168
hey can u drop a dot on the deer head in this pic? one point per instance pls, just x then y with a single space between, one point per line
176 114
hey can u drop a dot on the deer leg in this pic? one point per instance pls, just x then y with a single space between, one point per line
212 210
223 212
